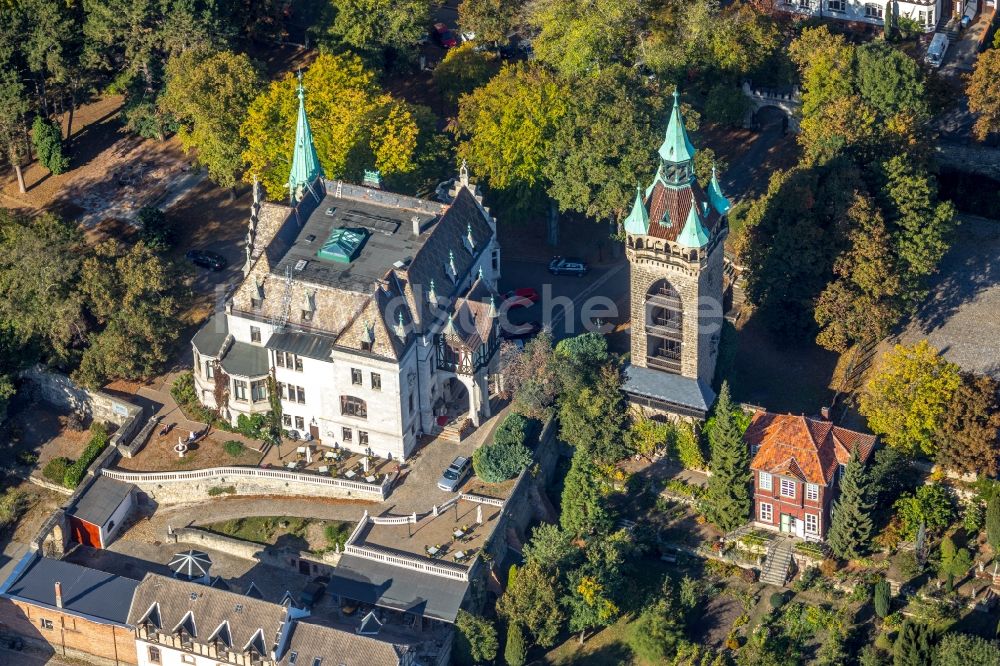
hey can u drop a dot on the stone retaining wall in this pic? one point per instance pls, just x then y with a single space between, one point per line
194 486
970 158
282 558
63 392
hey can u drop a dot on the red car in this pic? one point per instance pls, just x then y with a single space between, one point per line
442 35
521 298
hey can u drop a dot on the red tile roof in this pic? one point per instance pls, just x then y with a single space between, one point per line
677 203
802 447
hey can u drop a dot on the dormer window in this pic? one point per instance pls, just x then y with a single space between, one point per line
470 243
307 316
450 269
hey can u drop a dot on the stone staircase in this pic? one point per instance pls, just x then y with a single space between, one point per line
779 557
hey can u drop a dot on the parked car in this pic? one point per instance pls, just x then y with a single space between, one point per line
455 474
935 52
314 591
210 260
521 298
443 36
521 331
568 266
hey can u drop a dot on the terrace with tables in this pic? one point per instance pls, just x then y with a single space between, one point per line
455 535
333 462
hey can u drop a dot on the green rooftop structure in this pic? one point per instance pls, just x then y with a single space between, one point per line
305 163
718 200
637 221
343 245
676 147
694 234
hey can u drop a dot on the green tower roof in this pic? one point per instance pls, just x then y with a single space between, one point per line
676 145
718 200
694 233
305 163
637 221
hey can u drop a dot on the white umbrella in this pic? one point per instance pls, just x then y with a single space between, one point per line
190 565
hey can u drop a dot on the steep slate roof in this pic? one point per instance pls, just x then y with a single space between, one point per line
100 500
85 591
209 607
802 447
211 337
676 203
336 647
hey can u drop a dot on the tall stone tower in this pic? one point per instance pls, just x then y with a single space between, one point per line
674 245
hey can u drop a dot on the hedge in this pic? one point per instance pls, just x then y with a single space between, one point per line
98 440
498 462
55 469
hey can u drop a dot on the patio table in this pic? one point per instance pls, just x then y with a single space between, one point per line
323 469
370 478
301 450
350 474
458 534
433 551
330 455
459 556
291 465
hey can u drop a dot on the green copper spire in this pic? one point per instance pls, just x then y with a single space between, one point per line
637 222
694 233
719 202
305 164
676 146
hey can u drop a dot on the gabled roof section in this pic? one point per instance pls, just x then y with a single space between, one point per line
802 447
676 146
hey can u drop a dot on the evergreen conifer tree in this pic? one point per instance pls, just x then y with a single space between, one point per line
882 594
583 509
47 139
993 522
851 526
727 501
913 646
516 651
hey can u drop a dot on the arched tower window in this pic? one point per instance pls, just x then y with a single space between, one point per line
664 332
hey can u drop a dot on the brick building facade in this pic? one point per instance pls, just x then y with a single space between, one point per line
797 462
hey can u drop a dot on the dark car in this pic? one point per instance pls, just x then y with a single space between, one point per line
520 331
443 36
455 474
205 259
568 266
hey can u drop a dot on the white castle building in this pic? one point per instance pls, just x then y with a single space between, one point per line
376 313
926 13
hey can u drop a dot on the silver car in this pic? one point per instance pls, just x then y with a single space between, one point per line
454 475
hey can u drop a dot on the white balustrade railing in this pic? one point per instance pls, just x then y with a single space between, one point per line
482 499
442 569
378 489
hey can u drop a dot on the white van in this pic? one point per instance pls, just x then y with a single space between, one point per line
936 50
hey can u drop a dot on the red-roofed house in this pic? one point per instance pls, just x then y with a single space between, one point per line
797 462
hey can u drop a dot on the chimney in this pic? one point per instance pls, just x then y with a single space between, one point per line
58 595
824 413
416 225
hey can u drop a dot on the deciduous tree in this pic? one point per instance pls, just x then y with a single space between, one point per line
354 125
984 93
862 304
579 36
907 396
463 70
531 602
969 435
372 27
208 94
593 419
604 143
490 20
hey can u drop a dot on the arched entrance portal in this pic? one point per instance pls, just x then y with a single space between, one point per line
455 402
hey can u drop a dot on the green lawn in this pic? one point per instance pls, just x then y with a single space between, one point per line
314 535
